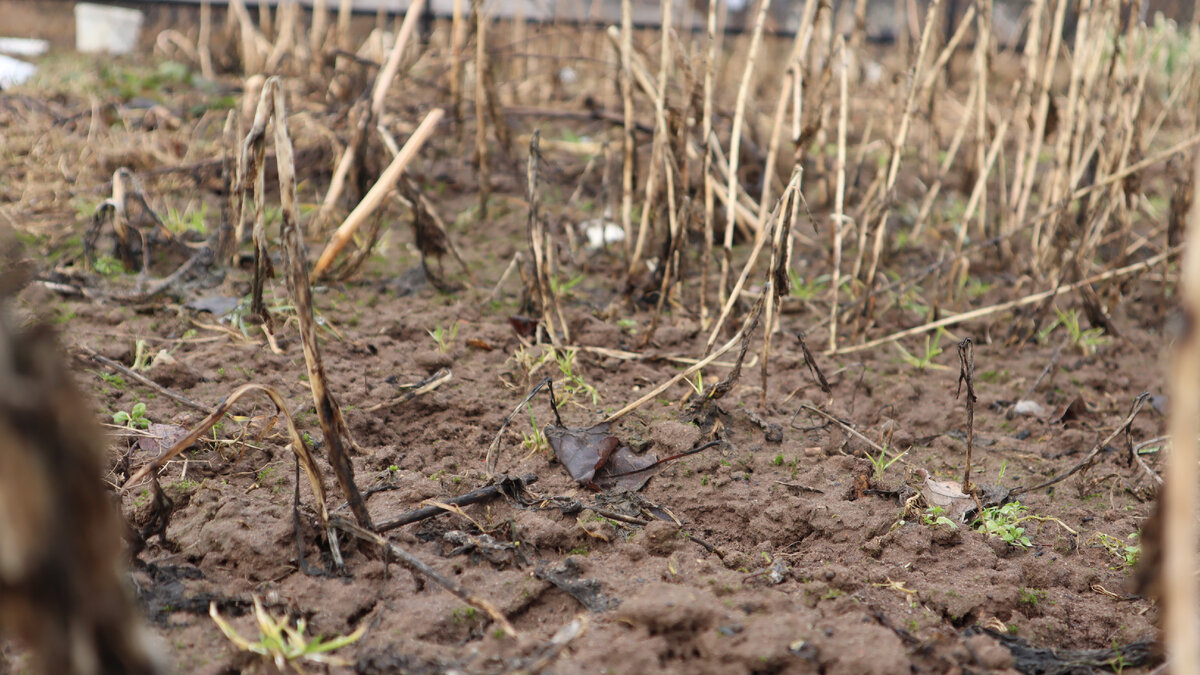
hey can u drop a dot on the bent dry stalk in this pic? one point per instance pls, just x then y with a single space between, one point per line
337 436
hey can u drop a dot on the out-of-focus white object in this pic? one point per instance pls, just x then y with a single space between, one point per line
601 233
102 28
14 71
23 46
1030 408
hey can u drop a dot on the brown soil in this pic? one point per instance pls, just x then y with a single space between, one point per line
761 555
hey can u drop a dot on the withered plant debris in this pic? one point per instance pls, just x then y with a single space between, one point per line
813 367
966 374
1138 402
598 460
503 485
142 379
298 446
524 326
152 519
430 233
412 562
483 545
947 495
160 437
338 442
135 225
1075 410
566 575
1032 660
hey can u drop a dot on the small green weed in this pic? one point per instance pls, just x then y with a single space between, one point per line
1086 341
933 349
882 462
935 516
113 380
135 418
1031 596
536 441
108 266
1004 522
187 221
806 290
283 644
464 615
444 337
573 383
564 288
1127 554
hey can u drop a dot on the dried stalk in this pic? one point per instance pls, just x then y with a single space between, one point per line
378 192
481 151
839 200
627 107
898 144
1012 304
254 151
793 85
338 442
706 132
337 184
659 144
966 375
776 287
458 38
792 188
316 36
1180 498
542 289
204 41
735 145
345 8
1043 107
687 372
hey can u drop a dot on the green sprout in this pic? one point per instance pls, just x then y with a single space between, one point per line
882 462
284 644
1086 341
1127 554
134 419
536 441
187 221
933 349
806 290
564 288
1004 522
935 516
444 337
108 266
573 383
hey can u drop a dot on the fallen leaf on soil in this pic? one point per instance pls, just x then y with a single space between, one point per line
1076 409
626 470
581 451
217 305
481 344
597 459
949 496
524 326
160 437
